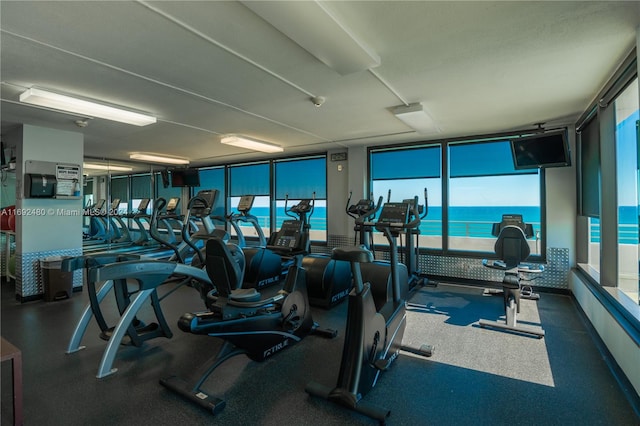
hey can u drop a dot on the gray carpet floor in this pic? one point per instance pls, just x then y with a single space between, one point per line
476 376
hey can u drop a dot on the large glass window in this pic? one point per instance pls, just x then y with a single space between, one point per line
252 179
140 188
120 190
299 179
483 186
589 166
399 174
626 113
609 179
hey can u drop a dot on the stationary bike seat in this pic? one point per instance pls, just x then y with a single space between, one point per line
357 254
244 295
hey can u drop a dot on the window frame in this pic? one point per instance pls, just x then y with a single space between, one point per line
445 171
275 199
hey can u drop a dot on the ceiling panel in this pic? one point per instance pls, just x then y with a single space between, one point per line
210 68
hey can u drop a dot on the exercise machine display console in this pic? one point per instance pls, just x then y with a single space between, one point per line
172 205
289 235
245 203
362 206
201 205
394 215
304 206
115 203
512 220
144 204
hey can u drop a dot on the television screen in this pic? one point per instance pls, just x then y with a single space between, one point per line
185 177
544 150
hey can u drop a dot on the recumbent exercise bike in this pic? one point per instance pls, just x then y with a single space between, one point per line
248 323
512 248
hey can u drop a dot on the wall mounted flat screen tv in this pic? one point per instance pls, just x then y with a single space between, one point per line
549 149
185 177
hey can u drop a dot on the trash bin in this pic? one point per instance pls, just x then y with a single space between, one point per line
57 284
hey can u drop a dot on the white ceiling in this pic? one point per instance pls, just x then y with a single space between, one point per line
211 68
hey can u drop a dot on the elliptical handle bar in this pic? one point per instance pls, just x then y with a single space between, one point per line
287 210
158 205
313 205
426 204
414 211
186 225
346 208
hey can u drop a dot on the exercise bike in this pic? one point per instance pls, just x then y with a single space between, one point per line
374 334
248 323
512 248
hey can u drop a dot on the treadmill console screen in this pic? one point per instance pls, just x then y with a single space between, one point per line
173 203
144 203
245 203
203 202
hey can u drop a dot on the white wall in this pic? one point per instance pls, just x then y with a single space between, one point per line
625 351
561 203
51 231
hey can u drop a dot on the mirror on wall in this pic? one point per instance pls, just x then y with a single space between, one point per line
117 200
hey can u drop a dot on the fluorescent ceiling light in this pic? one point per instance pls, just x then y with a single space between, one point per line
243 142
85 108
414 116
158 158
316 29
93 166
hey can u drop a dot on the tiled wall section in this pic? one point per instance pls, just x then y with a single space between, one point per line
29 275
555 275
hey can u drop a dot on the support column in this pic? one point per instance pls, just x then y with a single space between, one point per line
45 226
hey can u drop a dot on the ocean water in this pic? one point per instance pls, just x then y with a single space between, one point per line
471 221
464 221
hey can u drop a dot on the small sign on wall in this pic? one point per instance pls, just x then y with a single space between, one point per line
68 180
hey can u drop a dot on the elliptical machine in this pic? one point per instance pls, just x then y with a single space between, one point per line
292 240
410 251
373 337
363 212
267 266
